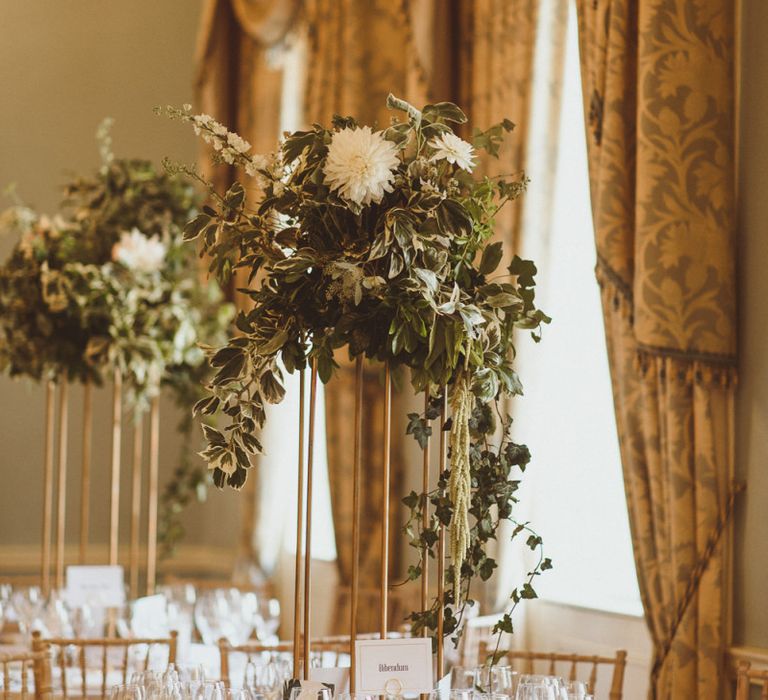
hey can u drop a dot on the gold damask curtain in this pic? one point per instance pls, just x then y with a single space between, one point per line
659 95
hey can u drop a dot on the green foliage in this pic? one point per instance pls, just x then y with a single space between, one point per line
69 306
410 278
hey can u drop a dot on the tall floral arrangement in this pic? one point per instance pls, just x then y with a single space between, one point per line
379 242
108 284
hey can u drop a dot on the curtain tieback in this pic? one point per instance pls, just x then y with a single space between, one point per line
694 580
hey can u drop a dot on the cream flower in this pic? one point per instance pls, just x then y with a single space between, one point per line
450 147
137 252
360 165
238 142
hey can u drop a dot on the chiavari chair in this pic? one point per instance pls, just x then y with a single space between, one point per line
553 664
38 661
64 649
747 677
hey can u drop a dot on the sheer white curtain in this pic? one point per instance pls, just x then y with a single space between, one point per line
276 506
573 492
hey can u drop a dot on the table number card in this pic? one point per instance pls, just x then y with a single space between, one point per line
98 586
394 666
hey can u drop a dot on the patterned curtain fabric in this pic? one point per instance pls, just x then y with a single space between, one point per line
658 89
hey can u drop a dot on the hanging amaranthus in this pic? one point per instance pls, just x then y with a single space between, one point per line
460 482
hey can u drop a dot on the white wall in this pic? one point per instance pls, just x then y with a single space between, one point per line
63 67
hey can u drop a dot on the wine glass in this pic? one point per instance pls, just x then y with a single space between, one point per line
496 679
237 694
225 613
265 679
210 690
267 618
553 686
535 691
28 602
462 678
130 691
575 690
55 616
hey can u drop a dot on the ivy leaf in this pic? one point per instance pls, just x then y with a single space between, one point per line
491 258
193 229
525 270
444 110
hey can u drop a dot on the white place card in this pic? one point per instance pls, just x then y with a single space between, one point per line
149 616
97 586
394 666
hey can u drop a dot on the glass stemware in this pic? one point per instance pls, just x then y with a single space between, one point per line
28 602
539 686
267 618
462 678
131 691
496 679
210 690
575 690
225 613
264 679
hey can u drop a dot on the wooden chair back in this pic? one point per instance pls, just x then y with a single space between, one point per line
75 648
477 635
747 677
38 661
570 666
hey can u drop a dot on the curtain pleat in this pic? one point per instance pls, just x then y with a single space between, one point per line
658 93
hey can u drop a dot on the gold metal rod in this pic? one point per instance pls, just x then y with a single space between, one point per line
385 501
152 494
299 528
85 481
114 503
425 516
308 535
61 505
45 566
136 467
441 540
356 474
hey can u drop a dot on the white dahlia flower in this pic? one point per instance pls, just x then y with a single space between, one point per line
137 252
450 147
360 165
